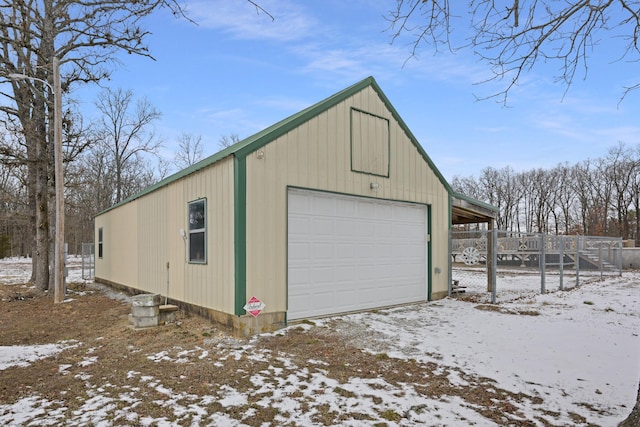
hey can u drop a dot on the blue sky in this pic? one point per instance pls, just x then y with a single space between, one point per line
237 72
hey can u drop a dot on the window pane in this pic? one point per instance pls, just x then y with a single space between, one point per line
100 242
196 247
196 215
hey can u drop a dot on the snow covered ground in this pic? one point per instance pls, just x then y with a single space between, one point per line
578 350
18 270
577 346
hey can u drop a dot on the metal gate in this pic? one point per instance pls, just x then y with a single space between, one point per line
88 261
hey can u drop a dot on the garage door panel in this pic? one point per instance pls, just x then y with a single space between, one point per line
345 251
322 251
298 275
360 253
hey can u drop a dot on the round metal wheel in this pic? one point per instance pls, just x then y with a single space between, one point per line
470 256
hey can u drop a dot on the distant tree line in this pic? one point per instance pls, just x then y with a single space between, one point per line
599 197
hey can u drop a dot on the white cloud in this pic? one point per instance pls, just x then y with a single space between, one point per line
242 20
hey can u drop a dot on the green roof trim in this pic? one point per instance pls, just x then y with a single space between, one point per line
262 138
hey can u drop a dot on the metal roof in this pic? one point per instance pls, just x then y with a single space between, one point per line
466 210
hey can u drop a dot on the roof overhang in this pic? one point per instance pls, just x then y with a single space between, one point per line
465 210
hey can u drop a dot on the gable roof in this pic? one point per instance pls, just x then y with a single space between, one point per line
260 139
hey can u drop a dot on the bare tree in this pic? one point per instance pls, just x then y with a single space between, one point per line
500 188
190 150
623 171
602 188
467 186
228 141
635 200
565 197
85 37
599 197
125 131
513 37
14 212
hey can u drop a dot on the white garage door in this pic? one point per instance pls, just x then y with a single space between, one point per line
350 253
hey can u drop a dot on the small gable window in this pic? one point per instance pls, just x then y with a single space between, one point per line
370 143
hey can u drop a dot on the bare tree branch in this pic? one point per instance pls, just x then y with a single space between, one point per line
514 39
125 131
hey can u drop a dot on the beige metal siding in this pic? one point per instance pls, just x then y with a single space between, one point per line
316 155
119 240
154 222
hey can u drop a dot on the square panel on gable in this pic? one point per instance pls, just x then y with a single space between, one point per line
370 141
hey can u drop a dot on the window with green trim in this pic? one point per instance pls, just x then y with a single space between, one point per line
100 242
198 231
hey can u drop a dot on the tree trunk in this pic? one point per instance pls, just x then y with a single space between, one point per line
41 254
35 133
633 420
41 164
32 179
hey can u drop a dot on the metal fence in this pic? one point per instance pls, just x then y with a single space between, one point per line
88 261
512 263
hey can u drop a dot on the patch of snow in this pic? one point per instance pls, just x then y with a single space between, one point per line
24 355
232 397
62 369
87 361
28 408
160 356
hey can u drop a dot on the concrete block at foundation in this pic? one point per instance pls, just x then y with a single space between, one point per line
143 322
168 313
145 300
143 311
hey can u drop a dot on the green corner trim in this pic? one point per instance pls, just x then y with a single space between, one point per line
429 255
240 232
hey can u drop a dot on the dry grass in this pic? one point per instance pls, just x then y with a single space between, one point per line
148 372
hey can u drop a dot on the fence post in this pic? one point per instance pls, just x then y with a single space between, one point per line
450 272
600 260
82 259
494 263
65 269
489 237
542 262
561 262
619 256
578 243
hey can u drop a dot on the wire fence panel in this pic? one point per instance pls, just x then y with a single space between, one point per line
88 261
469 267
527 263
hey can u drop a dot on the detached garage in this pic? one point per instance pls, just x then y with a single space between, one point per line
335 209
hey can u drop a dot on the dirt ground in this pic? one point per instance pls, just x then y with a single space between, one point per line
97 328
